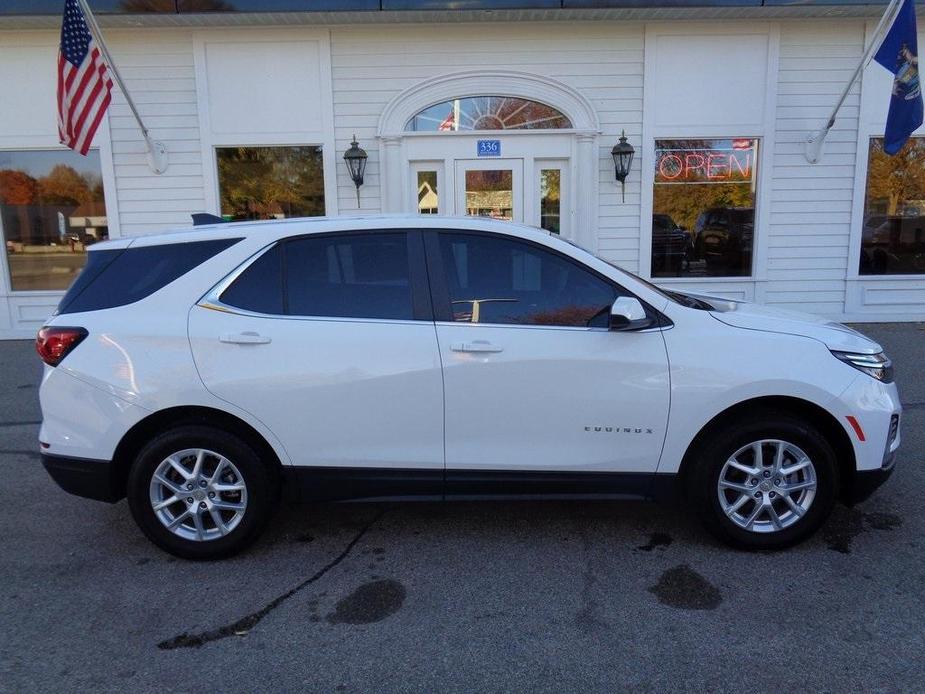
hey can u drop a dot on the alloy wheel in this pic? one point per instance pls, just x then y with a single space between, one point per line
767 485
198 494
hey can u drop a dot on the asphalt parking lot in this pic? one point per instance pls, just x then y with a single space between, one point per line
489 597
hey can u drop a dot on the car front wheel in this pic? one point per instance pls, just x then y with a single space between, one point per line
765 484
199 493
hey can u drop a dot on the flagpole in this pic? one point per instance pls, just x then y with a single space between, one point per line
157 151
815 140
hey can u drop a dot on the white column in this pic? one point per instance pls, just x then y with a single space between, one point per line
391 173
585 198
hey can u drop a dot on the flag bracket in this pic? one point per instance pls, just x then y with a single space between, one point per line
812 145
157 157
156 151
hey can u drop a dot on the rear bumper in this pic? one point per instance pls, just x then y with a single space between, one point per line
92 479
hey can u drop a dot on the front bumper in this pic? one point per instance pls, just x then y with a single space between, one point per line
865 483
92 479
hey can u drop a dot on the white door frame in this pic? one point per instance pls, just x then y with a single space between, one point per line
400 150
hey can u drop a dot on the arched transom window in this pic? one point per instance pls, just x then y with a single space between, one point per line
487 113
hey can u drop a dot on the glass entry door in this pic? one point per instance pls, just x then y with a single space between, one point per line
490 188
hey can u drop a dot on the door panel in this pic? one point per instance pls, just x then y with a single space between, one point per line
554 398
531 382
335 392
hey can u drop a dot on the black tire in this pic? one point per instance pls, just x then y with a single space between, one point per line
259 482
709 460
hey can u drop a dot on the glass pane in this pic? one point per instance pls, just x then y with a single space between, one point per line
260 286
352 276
427 192
497 280
703 220
550 180
488 113
270 182
51 208
893 237
490 194
122 277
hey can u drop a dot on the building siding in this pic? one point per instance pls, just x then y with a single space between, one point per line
810 221
160 75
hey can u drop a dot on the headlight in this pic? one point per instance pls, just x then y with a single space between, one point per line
876 365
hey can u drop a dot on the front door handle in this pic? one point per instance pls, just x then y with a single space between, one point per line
246 338
477 346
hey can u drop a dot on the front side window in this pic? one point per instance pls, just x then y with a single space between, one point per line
703 209
52 208
893 235
270 182
350 276
499 280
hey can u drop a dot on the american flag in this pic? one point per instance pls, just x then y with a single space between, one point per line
449 123
84 82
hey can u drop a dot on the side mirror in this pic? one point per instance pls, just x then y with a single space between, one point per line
627 313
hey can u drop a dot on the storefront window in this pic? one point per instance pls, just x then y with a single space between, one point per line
270 182
893 235
703 210
51 208
550 200
488 113
428 200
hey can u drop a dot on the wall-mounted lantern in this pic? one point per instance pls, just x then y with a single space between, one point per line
355 158
622 154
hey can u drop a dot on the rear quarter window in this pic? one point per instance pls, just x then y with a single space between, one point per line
123 276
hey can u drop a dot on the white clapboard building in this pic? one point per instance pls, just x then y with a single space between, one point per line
505 108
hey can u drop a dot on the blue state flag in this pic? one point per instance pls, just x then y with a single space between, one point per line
899 53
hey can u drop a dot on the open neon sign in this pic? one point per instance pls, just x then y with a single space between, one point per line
712 165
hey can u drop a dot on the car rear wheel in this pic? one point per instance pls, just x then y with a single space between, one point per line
199 493
767 483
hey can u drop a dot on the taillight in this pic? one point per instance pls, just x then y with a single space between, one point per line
53 343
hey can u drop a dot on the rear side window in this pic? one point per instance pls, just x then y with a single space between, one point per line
124 276
260 286
349 276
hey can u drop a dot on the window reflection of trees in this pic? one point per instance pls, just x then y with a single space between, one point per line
270 182
49 219
893 233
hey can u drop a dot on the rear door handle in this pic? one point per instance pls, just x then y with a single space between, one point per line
477 346
246 338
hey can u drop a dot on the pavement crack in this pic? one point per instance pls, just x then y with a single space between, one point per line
245 624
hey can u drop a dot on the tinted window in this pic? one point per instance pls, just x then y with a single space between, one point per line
350 276
116 278
260 286
498 280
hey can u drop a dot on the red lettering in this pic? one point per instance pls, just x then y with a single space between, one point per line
674 168
717 166
694 163
745 168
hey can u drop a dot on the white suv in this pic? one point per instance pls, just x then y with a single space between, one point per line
202 374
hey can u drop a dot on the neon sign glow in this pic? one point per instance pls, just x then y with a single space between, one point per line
713 165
